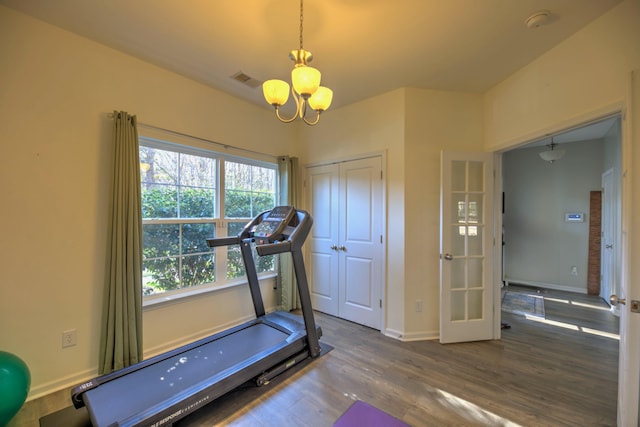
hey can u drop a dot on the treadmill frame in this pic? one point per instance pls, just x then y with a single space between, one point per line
300 344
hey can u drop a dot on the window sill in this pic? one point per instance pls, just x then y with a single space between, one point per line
157 301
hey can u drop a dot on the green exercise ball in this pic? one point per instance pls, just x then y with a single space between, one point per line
15 380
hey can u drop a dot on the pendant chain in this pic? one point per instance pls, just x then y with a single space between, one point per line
301 18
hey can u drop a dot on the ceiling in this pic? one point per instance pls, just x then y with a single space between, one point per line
362 47
588 132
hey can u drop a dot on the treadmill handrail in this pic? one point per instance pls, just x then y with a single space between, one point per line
223 241
273 248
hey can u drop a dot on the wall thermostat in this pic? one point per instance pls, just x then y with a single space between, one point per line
574 217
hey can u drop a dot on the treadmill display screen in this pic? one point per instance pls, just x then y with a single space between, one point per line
272 221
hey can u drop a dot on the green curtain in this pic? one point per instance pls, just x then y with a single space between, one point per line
121 343
289 171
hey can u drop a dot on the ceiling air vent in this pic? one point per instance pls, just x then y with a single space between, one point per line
246 80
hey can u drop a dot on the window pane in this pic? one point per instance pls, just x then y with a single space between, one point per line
194 237
197 171
197 202
458 175
458 278
160 240
159 201
158 166
197 270
160 274
249 189
235 266
475 304
476 176
237 204
265 263
458 306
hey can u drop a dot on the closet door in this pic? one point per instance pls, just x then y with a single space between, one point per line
360 241
346 248
322 203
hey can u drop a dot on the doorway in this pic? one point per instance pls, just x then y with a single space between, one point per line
546 207
546 225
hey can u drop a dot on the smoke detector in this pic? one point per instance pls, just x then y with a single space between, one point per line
538 19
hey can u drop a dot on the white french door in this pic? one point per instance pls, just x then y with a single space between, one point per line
467 242
346 248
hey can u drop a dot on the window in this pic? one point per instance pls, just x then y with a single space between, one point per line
183 204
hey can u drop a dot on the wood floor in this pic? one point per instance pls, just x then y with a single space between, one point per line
561 371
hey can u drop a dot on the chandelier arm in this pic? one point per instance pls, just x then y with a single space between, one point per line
298 112
312 123
282 119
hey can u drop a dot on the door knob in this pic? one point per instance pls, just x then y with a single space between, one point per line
342 248
448 257
614 300
334 248
608 246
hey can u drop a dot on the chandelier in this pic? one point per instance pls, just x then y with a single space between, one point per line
306 90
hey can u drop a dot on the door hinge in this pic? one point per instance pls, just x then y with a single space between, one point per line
380 175
380 303
381 238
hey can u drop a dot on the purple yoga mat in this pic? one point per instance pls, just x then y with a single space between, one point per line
361 414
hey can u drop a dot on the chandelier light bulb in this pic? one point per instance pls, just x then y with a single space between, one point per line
306 80
321 99
276 92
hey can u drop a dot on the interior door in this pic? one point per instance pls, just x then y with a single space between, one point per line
323 205
360 241
607 241
467 242
345 243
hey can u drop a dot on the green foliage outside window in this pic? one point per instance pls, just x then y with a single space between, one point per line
176 256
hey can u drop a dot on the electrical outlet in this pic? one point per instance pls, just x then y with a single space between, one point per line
574 270
69 338
418 305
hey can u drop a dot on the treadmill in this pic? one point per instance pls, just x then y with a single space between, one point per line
163 389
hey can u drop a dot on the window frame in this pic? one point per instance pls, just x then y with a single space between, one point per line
219 221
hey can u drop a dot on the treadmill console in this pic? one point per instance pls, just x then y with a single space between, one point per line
273 224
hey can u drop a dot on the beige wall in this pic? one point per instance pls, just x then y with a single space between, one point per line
55 137
435 121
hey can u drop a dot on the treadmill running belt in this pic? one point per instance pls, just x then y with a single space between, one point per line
146 387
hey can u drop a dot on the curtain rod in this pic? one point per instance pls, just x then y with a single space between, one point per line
220 144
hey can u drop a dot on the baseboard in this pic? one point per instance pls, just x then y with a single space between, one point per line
63 383
545 285
412 336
